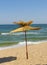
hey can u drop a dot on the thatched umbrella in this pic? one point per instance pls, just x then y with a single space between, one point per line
25 27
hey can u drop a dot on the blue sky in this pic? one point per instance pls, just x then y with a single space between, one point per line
15 10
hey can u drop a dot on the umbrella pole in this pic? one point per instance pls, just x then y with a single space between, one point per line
26 46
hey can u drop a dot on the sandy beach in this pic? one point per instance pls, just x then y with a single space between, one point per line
17 56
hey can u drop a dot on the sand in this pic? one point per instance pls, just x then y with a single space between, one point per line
37 55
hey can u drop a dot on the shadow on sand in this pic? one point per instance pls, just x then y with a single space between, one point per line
7 59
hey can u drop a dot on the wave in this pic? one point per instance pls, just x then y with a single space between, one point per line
29 42
20 33
4 33
22 44
24 33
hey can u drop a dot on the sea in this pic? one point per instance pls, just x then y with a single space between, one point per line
32 35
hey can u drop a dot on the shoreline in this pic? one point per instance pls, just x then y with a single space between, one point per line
20 44
37 55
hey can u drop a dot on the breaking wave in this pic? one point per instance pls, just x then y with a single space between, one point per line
20 33
4 33
22 44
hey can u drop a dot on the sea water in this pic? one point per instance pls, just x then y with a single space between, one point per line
32 35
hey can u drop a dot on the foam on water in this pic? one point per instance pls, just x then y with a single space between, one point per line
22 44
31 35
29 42
20 33
4 33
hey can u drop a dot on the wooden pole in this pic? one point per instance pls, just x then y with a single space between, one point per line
26 46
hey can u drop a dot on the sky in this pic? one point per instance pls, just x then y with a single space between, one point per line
26 10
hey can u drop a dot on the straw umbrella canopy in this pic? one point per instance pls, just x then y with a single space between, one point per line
23 28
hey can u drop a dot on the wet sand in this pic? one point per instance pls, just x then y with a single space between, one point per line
17 56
